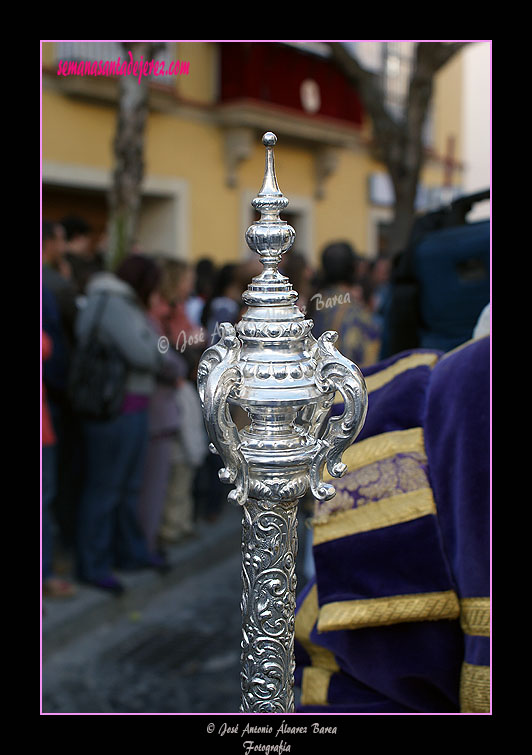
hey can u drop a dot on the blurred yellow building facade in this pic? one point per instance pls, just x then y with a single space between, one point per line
204 159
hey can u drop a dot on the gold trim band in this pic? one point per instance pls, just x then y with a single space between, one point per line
306 618
315 686
475 689
372 516
379 379
475 616
374 612
381 447
316 677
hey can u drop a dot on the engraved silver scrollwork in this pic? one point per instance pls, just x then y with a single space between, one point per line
336 373
271 366
279 488
269 551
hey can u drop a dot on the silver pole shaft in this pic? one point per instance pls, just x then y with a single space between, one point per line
269 551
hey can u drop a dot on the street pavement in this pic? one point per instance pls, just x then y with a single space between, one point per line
170 645
177 654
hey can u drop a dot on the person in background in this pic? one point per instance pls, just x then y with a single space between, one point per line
180 403
82 258
225 303
59 312
189 452
164 417
68 452
380 283
55 368
182 333
55 276
205 276
52 585
108 527
338 305
300 274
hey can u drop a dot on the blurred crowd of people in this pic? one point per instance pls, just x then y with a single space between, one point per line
118 491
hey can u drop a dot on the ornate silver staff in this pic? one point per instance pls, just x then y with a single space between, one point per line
274 368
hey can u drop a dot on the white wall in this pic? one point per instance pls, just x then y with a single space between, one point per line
476 114
156 232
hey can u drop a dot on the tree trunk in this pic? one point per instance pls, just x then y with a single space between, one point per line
404 212
125 194
399 143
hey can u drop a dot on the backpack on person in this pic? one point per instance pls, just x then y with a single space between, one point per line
98 375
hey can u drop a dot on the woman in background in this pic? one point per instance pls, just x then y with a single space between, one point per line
109 532
52 586
164 416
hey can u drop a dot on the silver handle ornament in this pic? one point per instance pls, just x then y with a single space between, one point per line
271 365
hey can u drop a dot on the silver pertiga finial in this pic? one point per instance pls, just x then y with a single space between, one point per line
272 366
270 236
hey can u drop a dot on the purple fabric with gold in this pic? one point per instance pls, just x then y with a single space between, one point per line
397 618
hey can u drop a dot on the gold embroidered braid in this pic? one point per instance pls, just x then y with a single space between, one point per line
381 447
392 510
315 686
315 680
379 379
475 689
374 612
475 616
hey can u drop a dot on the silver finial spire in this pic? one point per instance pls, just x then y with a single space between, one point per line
270 236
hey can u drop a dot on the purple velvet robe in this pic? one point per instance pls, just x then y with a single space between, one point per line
397 619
